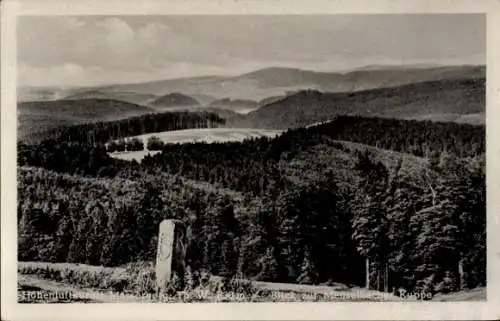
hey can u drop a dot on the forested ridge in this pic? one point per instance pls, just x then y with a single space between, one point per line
36 118
102 132
438 99
429 233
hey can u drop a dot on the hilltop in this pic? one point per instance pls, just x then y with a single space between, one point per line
175 100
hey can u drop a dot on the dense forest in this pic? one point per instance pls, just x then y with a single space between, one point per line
426 230
237 165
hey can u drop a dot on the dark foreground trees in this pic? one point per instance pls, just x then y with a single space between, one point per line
420 237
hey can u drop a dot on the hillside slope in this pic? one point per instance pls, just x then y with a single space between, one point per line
436 100
340 158
38 116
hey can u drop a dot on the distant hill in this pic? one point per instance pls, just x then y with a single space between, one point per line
395 67
236 105
131 97
267 82
277 81
202 98
436 100
175 100
361 79
38 116
29 93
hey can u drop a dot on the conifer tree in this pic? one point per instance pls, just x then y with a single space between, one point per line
370 222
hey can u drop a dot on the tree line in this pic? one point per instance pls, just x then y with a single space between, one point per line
134 144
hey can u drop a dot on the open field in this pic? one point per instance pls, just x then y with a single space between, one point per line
138 155
209 135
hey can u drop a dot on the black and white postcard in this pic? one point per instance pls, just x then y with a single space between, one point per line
249 160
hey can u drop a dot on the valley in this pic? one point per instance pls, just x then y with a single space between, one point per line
458 96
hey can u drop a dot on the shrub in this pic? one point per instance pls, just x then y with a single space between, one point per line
237 285
134 144
120 145
154 143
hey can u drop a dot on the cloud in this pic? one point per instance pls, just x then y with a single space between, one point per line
118 36
121 48
73 75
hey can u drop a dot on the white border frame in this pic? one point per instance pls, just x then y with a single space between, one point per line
11 310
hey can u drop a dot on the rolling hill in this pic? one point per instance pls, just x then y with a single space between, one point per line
130 97
175 100
451 93
38 116
262 84
276 81
445 100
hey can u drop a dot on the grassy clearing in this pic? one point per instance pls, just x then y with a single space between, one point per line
138 280
208 135
138 155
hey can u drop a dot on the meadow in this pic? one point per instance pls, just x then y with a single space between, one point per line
207 135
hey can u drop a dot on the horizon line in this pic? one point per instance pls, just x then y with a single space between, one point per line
340 72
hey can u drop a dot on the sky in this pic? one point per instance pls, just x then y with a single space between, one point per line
95 50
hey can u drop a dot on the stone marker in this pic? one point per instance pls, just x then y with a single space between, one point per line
171 253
